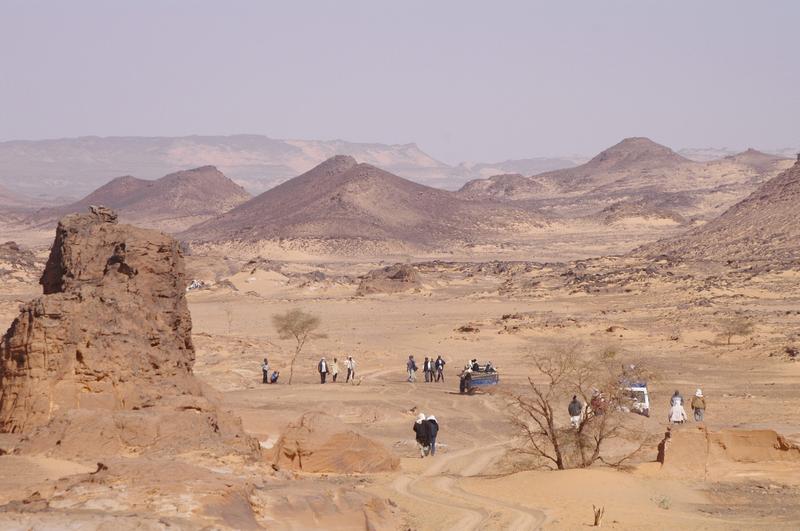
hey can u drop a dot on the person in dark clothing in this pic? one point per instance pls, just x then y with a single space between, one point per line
422 431
323 369
265 371
433 431
575 408
427 369
411 368
439 366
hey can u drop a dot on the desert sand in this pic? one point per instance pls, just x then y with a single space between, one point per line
132 394
663 315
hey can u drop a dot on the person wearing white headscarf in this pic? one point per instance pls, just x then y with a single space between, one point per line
699 406
423 435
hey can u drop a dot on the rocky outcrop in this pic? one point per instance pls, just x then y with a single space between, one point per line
392 279
17 264
693 451
102 362
314 443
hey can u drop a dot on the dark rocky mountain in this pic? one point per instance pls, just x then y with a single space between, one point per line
171 203
763 227
635 171
342 199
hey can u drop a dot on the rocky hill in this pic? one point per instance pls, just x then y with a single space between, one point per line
763 228
344 200
636 170
101 364
171 203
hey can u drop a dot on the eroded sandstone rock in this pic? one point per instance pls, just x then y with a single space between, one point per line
103 360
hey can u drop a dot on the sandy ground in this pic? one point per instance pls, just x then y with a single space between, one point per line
667 321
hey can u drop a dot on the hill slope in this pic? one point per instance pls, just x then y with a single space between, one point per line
636 170
762 227
171 203
342 199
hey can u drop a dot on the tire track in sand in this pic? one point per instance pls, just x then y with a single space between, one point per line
438 486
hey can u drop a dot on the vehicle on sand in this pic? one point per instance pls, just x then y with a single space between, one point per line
476 377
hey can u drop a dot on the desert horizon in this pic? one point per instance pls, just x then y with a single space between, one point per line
260 330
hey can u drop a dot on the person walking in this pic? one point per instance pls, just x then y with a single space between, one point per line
439 366
676 398
433 431
265 371
335 369
411 367
699 406
323 369
422 435
427 369
575 409
677 415
350 365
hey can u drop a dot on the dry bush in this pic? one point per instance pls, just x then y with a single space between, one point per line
298 325
735 326
597 381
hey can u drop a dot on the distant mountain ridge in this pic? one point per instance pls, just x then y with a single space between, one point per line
74 166
170 203
637 172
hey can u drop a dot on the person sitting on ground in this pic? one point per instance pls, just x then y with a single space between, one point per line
423 435
575 409
439 366
323 369
677 415
676 399
265 371
411 367
699 406
350 365
433 430
335 369
274 377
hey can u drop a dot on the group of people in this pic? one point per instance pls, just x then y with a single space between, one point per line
426 429
325 368
266 376
677 413
432 369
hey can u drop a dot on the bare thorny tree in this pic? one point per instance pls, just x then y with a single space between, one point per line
597 381
298 325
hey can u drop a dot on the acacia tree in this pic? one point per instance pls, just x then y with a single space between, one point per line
535 413
298 325
736 326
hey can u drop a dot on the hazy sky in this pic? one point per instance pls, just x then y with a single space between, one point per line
465 80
